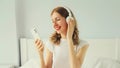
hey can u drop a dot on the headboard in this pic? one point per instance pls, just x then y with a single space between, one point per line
99 48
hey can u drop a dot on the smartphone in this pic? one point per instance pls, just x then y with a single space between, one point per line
35 33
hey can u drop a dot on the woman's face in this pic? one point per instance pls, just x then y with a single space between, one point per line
59 23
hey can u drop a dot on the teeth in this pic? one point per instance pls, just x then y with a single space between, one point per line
57 28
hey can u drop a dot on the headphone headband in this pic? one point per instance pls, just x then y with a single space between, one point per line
69 11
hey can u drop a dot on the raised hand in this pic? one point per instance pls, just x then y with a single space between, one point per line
70 30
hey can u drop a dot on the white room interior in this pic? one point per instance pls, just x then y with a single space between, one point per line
97 19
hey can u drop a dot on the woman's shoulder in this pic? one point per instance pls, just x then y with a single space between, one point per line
48 45
82 44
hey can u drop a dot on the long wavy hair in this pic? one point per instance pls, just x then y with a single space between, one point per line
55 38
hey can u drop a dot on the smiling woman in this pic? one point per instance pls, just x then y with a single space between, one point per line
64 43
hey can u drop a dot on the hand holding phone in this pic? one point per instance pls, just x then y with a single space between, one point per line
39 44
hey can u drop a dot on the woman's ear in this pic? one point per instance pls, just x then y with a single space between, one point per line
69 18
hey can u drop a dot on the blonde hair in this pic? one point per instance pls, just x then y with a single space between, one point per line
55 37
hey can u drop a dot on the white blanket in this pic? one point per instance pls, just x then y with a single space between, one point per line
33 63
107 63
101 63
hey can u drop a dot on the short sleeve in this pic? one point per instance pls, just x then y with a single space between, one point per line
49 45
82 43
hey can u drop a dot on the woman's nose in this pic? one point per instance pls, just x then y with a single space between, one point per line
55 23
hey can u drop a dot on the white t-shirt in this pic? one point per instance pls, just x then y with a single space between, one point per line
61 53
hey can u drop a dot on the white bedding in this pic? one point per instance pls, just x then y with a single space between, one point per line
107 48
107 63
32 63
101 63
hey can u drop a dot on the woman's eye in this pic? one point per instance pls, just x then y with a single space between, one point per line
57 19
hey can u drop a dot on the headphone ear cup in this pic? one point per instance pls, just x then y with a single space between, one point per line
69 18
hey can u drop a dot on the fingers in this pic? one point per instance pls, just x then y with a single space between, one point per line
71 26
39 44
71 23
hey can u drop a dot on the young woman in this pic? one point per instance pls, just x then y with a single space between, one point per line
64 49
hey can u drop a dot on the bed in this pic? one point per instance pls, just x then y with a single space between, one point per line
102 53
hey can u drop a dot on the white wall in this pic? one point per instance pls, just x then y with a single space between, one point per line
8 35
96 18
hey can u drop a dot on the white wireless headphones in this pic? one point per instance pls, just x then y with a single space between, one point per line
70 14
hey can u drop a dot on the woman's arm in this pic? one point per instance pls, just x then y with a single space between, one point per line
81 54
48 60
76 59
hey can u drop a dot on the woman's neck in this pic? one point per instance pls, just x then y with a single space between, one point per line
63 36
